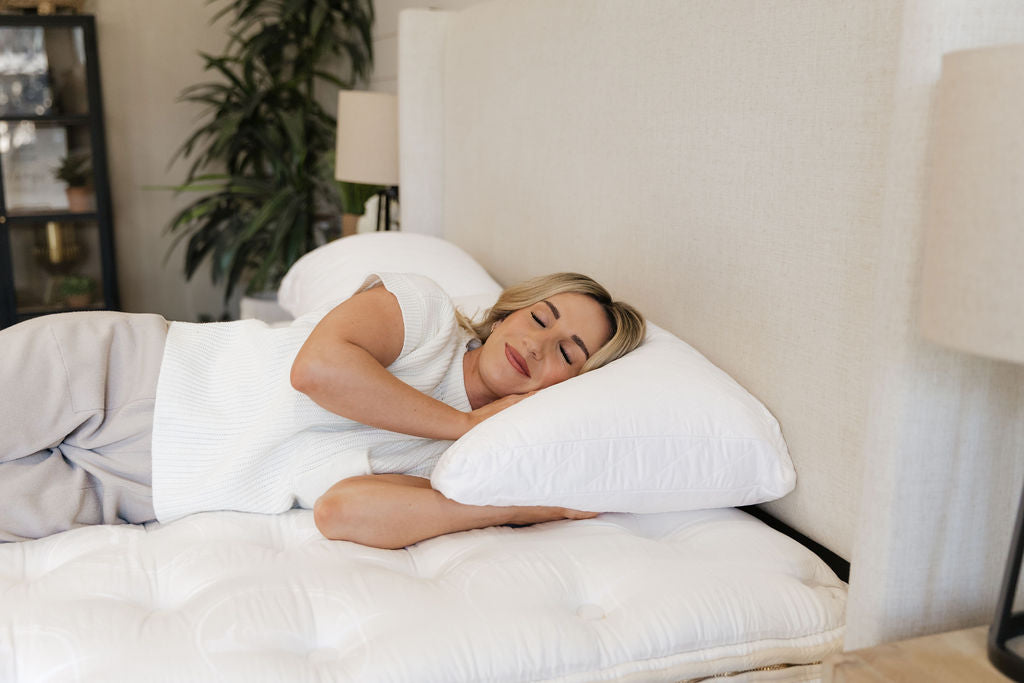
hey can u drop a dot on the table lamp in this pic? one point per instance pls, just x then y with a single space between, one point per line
972 284
367 150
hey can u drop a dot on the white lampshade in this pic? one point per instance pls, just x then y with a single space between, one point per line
972 295
367 149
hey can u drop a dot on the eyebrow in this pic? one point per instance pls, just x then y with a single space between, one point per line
575 337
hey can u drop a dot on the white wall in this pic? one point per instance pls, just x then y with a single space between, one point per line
148 55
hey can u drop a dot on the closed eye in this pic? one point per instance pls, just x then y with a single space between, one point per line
538 320
564 354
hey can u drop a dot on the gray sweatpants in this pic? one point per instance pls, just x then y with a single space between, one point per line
76 420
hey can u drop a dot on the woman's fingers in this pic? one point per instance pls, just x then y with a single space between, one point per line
579 514
535 514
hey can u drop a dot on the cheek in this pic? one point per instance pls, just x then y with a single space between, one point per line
558 373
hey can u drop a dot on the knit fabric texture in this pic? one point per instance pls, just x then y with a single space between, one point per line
230 432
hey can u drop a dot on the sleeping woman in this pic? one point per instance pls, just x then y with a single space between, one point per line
110 418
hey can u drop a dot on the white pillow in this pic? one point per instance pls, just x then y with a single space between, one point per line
335 270
661 429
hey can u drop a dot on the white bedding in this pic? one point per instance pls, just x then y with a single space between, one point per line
240 597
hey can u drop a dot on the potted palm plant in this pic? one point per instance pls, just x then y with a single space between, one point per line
263 158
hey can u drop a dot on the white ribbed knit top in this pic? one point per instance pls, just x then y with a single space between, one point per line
230 432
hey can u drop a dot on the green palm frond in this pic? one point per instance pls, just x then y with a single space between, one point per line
262 155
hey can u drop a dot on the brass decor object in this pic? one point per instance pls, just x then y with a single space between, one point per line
57 249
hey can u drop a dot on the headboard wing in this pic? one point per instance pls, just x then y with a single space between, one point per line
748 174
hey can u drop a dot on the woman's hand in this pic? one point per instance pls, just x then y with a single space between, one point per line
397 510
528 514
494 407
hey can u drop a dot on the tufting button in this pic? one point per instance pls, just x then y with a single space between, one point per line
590 612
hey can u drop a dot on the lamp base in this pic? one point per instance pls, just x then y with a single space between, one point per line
385 199
1009 625
1010 663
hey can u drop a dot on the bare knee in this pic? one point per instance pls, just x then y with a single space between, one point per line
338 513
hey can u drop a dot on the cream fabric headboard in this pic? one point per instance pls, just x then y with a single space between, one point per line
749 175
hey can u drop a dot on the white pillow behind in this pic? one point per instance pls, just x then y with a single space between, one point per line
661 429
335 270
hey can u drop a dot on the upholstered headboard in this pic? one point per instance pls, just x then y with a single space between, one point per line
749 174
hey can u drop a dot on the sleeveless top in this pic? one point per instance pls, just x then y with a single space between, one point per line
230 432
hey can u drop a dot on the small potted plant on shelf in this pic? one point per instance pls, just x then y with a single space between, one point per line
76 290
76 170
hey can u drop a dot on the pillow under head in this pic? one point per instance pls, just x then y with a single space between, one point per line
660 429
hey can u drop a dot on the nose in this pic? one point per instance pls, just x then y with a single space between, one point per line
533 348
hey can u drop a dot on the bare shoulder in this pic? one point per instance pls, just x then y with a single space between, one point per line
371 320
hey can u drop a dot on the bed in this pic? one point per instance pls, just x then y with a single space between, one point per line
744 200
679 585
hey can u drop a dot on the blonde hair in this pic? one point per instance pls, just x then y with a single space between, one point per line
627 324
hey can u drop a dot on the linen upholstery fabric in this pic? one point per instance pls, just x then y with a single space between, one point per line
705 195
237 598
749 175
658 430
421 114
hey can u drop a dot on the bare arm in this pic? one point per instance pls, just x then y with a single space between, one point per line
343 364
397 510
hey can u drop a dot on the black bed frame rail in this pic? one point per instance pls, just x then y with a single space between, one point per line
836 563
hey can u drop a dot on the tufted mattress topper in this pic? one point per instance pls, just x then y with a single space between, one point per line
238 597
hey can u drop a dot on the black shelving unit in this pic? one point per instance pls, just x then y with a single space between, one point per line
56 249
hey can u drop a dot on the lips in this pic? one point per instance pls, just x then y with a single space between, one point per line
516 361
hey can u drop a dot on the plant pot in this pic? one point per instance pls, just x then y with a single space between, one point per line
349 224
78 300
80 199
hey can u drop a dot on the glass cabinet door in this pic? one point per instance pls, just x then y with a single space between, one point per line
56 266
54 199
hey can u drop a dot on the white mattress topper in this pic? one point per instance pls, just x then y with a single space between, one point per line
239 597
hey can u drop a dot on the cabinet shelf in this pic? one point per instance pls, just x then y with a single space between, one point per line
23 217
27 312
54 256
54 119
